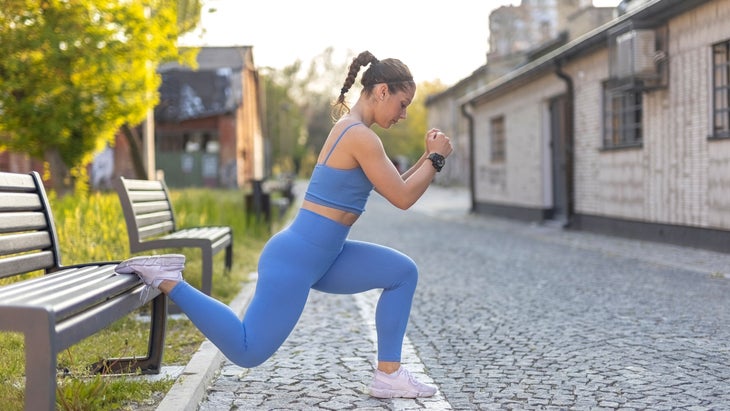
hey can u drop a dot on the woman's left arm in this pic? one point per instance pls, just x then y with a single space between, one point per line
415 167
381 172
420 161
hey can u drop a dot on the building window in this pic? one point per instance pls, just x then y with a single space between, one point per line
622 114
189 142
166 142
497 143
721 90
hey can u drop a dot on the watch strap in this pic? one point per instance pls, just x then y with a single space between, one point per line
437 160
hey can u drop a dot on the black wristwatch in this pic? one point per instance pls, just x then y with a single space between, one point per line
437 160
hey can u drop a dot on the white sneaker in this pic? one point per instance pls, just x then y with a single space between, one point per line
400 384
154 269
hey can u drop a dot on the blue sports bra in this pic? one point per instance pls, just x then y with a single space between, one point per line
342 189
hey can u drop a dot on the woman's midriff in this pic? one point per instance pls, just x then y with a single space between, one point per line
342 217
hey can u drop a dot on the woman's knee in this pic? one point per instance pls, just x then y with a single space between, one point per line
251 355
407 272
249 361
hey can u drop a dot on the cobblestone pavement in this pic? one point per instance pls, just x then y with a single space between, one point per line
510 315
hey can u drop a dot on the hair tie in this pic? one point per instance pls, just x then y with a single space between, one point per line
343 90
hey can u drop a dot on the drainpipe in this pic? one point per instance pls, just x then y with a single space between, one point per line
472 184
569 140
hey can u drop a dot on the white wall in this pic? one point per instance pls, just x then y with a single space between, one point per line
679 176
520 179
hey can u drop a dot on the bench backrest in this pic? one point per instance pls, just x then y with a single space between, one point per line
147 208
28 240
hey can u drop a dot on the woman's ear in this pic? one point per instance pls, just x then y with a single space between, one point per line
381 91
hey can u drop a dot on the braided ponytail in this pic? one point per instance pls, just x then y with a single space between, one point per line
363 59
389 71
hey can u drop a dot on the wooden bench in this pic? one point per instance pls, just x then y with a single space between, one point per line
151 225
68 303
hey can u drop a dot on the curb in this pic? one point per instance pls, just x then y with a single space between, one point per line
190 387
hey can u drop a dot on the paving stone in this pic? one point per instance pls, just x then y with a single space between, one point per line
512 316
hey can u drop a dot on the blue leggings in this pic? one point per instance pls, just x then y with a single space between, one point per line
312 253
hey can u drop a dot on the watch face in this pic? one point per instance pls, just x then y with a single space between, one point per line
437 160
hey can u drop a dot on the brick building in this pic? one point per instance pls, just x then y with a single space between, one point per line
208 121
623 130
518 34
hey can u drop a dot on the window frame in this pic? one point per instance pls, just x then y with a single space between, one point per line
622 115
497 141
720 121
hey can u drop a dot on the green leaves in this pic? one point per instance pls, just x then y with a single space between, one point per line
74 71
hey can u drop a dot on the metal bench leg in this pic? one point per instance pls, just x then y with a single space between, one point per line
229 256
207 280
152 363
40 362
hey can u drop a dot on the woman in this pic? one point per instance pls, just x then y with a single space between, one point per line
313 252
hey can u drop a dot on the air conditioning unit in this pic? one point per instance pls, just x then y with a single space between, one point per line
635 55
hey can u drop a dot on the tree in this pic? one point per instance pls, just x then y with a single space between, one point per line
188 17
283 121
73 72
322 82
298 103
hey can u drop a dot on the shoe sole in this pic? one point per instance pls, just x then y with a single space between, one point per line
166 260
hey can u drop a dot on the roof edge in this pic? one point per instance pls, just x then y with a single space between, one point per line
653 13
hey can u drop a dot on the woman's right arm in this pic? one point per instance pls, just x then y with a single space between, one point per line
400 190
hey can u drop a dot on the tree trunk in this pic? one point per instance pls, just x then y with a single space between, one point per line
135 142
61 180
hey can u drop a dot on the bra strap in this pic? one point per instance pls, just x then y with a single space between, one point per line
338 140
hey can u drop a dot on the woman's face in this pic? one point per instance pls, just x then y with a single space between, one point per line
393 107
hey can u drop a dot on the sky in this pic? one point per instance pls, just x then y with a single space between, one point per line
444 40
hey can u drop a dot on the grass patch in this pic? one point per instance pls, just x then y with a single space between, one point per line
91 228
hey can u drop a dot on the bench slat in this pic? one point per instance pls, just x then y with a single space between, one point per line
26 290
26 263
154 230
19 202
18 243
17 290
90 295
70 291
133 184
145 220
147 196
201 232
76 295
25 221
13 182
217 240
151 207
